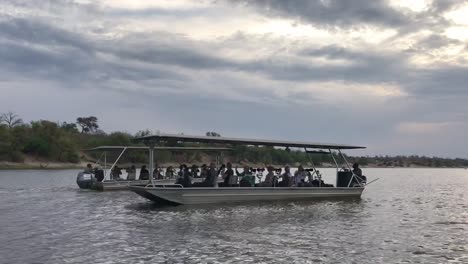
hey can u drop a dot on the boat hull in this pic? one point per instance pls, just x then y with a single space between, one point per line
123 185
116 185
208 195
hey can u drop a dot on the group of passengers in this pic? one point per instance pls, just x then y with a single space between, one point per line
230 177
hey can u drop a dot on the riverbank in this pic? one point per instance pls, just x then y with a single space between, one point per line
4 165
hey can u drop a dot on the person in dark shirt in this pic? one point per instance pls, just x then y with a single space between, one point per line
286 177
269 178
89 168
169 172
184 178
157 174
248 180
182 170
212 176
116 172
204 171
194 171
221 170
357 170
144 173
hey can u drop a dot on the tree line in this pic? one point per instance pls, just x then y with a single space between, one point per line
65 142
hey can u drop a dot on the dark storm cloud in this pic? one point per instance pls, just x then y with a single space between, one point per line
343 13
377 66
180 53
35 47
38 32
351 14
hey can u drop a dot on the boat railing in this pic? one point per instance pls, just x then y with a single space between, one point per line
172 185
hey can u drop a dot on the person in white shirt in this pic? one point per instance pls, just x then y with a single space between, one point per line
299 176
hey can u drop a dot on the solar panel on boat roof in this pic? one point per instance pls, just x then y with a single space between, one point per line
103 148
242 141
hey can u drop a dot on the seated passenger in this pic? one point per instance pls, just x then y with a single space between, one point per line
131 173
157 173
221 170
204 171
116 172
183 169
299 177
194 171
169 172
269 178
248 180
358 172
245 172
144 173
212 176
228 175
286 177
184 176
89 168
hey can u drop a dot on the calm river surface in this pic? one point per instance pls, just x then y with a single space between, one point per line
408 216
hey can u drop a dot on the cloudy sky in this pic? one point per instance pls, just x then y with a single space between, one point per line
391 75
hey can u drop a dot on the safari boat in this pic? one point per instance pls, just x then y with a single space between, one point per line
348 185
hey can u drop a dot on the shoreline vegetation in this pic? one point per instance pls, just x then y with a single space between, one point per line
46 144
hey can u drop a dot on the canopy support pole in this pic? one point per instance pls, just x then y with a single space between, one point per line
105 163
151 162
315 169
336 164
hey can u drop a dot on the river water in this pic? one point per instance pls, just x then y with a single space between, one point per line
408 216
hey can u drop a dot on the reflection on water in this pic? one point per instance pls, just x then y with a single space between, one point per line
409 216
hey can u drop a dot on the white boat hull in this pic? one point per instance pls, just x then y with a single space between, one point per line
207 195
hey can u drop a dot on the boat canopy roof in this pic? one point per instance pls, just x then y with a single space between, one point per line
109 148
159 138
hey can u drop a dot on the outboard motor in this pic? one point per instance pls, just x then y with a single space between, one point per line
85 180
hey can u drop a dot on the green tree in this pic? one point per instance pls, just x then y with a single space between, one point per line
69 127
88 124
